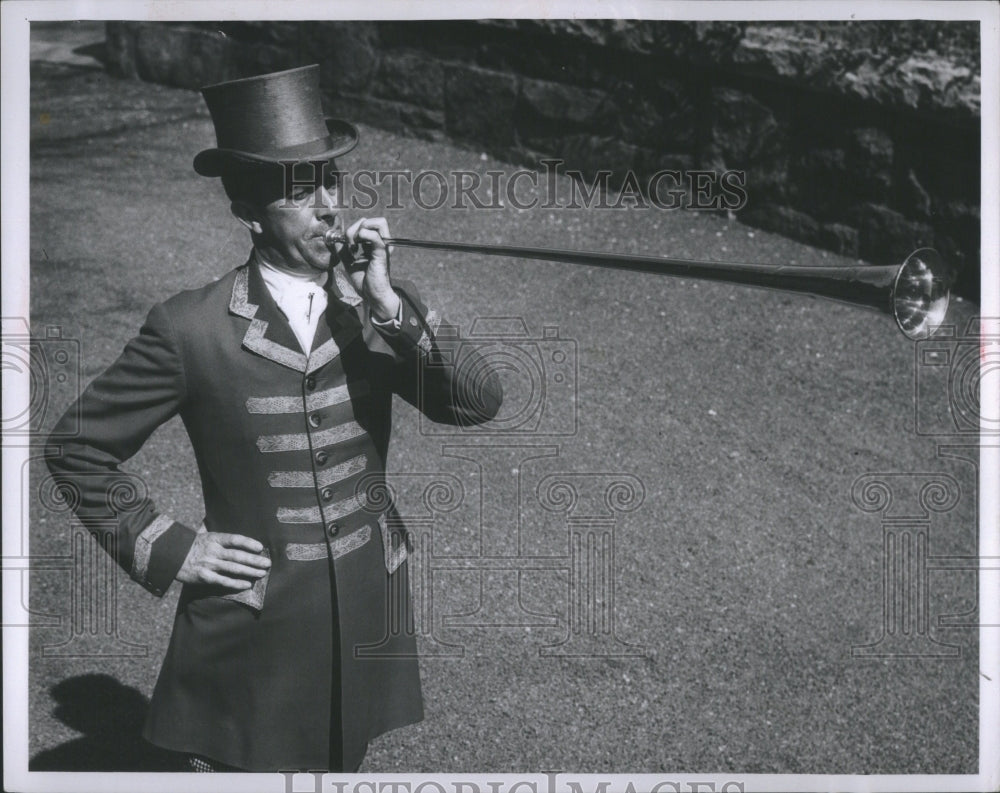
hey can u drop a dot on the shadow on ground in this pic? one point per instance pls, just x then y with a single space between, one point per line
110 716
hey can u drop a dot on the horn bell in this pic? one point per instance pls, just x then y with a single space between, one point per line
920 293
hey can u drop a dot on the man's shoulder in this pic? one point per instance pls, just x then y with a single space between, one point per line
198 301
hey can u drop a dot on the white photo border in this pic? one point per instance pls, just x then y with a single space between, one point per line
16 18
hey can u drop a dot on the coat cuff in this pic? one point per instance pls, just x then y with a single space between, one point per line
391 325
160 550
416 329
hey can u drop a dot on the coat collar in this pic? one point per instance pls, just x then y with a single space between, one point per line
269 334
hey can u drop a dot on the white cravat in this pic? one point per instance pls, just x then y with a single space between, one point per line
300 296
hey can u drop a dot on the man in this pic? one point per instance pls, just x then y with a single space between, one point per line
286 651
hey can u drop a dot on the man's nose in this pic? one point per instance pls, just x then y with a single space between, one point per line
328 196
326 203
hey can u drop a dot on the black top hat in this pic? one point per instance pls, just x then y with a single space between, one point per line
270 119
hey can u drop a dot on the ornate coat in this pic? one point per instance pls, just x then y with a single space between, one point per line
302 670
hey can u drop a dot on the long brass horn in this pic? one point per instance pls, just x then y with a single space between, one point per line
916 292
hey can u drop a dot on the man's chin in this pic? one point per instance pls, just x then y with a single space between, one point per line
320 267
319 261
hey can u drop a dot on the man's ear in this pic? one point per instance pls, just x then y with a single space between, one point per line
246 215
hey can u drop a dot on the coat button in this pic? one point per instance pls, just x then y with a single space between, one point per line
327 493
315 419
322 457
332 528
414 321
311 382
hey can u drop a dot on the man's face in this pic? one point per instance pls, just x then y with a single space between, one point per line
292 225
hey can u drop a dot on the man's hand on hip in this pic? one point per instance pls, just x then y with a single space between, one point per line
227 560
367 262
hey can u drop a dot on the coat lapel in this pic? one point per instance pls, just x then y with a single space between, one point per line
270 335
342 323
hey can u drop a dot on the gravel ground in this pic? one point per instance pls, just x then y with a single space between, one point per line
742 580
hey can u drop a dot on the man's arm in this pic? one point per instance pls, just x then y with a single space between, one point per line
428 374
117 412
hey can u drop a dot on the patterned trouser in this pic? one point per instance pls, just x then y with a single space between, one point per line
203 766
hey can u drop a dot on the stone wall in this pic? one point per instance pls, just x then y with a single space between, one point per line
862 138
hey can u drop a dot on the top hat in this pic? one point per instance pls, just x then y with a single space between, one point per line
270 119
